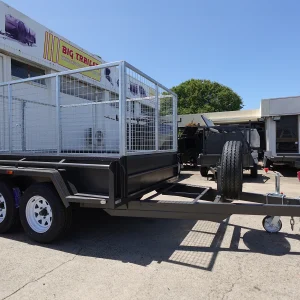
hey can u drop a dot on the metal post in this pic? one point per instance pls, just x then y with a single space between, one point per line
122 109
10 118
277 183
129 111
93 125
157 110
175 123
23 126
58 117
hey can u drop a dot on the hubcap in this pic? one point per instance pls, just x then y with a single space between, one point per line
2 208
270 227
39 214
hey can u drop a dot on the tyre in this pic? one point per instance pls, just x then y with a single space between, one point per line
230 179
178 169
191 154
178 165
8 210
43 215
203 171
253 171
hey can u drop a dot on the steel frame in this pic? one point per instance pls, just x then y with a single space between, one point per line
199 203
206 204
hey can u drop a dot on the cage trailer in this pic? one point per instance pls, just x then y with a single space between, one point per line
127 165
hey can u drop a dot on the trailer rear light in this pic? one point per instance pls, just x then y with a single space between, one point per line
298 175
9 172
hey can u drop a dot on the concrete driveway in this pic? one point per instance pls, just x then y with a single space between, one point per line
128 258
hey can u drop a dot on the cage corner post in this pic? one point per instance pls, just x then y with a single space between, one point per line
157 114
58 114
122 109
10 116
175 123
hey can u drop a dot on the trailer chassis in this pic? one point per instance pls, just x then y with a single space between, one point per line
207 204
195 202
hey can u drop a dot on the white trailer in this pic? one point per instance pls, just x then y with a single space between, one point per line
282 121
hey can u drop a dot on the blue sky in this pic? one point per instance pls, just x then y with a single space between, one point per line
252 46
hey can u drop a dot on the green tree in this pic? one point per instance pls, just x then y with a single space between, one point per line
199 96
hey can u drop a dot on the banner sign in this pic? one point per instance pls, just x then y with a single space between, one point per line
60 52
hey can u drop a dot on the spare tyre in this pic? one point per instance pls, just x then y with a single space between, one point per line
204 171
230 179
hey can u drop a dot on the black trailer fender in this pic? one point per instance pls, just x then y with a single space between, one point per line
52 175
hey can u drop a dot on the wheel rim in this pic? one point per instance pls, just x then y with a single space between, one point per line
271 227
39 214
2 208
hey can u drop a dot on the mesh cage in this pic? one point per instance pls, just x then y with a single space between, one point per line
33 118
165 124
90 111
149 115
140 112
89 115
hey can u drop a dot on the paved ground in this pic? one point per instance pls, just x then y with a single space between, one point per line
118 258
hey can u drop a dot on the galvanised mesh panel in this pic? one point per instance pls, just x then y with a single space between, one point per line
110 109
149 115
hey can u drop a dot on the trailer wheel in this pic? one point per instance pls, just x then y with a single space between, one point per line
269 226
203 171
253 171
230 180
42 213
8 210
178 169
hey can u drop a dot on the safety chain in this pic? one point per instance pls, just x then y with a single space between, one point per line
292 222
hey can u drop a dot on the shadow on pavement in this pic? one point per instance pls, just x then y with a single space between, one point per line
140 241
184 176
261 178
260 242
190 168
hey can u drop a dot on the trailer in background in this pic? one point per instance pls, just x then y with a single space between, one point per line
282 122
202 145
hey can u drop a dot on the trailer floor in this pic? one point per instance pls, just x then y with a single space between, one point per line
120 258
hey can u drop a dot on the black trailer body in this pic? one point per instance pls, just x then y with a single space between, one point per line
106 182
210 205
123 197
